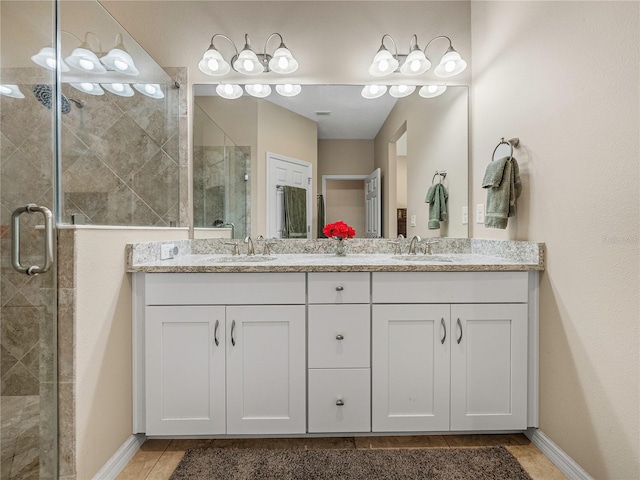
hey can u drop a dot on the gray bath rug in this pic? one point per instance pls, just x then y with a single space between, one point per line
490 463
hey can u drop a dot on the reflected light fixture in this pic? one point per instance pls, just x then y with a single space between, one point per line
399 91
373 91
288 90
152 90
247 61
12 91
83 58
258 90
416 61
88 87
431 91
120 89
229 91
119 60
46 58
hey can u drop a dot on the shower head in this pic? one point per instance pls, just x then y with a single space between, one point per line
44 94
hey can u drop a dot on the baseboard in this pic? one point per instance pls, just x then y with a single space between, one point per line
119 460
558 457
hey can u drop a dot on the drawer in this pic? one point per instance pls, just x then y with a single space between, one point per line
450 287
339 287
339 400
339 336
224 288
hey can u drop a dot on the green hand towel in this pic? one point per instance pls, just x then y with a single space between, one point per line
502 181
295 213
437 196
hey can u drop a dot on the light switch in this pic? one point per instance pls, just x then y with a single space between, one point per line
413 220
480 213
465 215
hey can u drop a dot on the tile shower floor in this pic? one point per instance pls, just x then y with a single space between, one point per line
19 437
157 459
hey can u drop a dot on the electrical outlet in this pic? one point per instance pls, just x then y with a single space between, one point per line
168 251
413 221
465 215
480 213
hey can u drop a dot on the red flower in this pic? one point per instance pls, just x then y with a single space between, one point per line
338 229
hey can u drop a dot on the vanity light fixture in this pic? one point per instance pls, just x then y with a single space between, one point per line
432 91
399 91
258 90
152 90
229 91
120 89
247 61
119 60
88 87
46 58
12 91
83 58
288 90
416 61
373 91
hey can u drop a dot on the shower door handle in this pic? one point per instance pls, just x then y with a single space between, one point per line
48 239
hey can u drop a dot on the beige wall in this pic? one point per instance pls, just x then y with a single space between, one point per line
437 139
344 157
103 341
401 181
564 76
345 201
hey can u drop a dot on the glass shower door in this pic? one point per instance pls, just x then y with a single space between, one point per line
28 389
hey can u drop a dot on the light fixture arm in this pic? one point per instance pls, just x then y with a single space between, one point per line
436 38
395 47
265 57
227 39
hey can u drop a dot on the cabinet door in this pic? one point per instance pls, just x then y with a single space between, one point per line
266 369
185 370
489 367
410 368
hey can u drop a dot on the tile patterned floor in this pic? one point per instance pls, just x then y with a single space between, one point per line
19 437
157 459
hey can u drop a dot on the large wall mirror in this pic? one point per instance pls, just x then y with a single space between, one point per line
338 138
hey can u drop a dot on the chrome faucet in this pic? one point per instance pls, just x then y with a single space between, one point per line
398 243
412 246
249 242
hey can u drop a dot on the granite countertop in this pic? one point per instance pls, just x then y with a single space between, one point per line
375 255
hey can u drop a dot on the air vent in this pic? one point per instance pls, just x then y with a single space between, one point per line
323 113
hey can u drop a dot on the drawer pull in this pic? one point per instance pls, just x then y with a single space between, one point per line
339 288
460 327
339 337
233 328
444 327
215 333
340 402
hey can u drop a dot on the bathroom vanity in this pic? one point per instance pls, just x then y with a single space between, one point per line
309 343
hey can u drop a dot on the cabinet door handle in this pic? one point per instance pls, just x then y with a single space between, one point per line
339 337
215 333
459 323
233 328
340 402
339 288
444 327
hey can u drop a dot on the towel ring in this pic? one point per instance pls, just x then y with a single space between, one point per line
442 173
512 142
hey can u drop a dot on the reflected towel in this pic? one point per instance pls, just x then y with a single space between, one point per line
437 196
320 224
294 224
502 181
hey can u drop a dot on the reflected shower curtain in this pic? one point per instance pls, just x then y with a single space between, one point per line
294 224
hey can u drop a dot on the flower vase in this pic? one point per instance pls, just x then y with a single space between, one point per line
341 247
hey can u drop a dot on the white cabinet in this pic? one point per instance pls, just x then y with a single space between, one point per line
223 369
266 369
185 374
489 367
410 364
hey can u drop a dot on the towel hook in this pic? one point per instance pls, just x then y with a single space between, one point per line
512 142
442 173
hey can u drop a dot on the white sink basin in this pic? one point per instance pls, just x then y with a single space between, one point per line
242 258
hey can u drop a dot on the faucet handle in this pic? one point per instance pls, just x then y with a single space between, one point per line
236 248
398 245
267 247
428 243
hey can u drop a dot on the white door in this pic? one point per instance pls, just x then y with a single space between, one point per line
185 370
373 207
410 368
285 171
489 367
266 369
